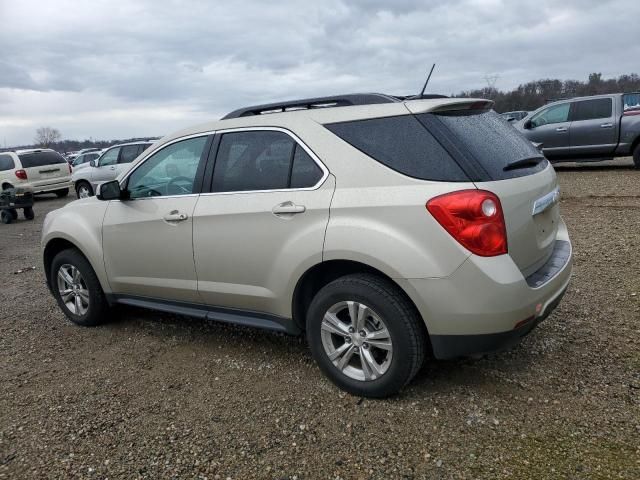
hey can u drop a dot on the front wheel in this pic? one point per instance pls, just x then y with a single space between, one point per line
77 289
84 190
365 335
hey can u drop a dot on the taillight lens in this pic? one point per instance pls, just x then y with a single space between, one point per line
474 218
21 174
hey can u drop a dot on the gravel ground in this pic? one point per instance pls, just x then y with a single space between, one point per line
158 396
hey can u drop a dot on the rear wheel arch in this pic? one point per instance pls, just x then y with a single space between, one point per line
6 186
321 274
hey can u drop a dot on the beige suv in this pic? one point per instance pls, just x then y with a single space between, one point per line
385 228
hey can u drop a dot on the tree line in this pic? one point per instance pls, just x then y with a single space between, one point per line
531 95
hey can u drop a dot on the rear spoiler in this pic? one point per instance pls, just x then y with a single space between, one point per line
441 105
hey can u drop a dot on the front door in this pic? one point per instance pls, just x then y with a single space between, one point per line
551 128
106 169
148 238
263 224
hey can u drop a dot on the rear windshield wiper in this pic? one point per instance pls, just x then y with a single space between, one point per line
523 163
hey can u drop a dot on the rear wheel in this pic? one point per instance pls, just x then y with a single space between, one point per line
62 193
28 213
365 335
84 190
6 217
77 289
636 156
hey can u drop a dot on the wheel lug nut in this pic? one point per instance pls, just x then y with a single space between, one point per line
356 349
365 345
347 339
351 330
363 333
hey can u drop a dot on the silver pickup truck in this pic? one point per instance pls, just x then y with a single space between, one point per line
587 128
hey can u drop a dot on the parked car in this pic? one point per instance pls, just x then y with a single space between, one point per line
515 115
83 159
587 128
384 229
40 170
107 167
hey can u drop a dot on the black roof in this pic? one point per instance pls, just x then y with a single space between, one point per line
320 102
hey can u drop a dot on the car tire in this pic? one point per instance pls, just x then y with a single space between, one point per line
636 156
84 190
84 302
386 350
6 217
14 213
62 193
28 213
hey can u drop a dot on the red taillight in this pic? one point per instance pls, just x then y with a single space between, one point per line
21 174
474 218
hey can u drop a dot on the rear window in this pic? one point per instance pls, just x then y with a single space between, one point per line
592 109
402 144
489 140
40 159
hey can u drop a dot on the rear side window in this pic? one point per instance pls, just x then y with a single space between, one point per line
40 159
6 163
592 109
305 173
402 144
490 141
258 160
129 153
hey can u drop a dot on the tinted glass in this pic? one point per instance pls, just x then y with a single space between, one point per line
171 171
110 157
631 101
40 159
129 153
403 144
305 172
6 163
490 140
257 160
592 109
555 114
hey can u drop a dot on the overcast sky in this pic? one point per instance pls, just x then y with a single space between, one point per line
120 69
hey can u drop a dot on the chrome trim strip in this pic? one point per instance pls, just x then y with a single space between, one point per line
545 202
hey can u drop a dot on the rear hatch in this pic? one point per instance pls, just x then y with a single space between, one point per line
499 159
44 167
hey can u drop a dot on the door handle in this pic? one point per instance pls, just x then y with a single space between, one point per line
112 168
175 216
561 129
606 125
288 208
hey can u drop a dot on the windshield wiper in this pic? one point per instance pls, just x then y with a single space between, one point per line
523 163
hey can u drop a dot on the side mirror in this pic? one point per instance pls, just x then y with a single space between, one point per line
527 125
109 191
93 163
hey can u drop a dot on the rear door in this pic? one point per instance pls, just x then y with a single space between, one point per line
551 127
594 130
128 153
44 167
263 223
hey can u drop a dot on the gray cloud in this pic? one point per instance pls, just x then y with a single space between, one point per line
83 66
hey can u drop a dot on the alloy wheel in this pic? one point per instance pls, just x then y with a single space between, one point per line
73 289
356 340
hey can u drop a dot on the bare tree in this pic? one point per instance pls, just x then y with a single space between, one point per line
45 136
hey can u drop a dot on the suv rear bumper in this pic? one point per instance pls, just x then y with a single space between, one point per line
487 304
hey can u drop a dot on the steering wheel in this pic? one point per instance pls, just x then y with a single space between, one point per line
173 187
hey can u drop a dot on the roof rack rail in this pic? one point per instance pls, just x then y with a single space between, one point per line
319 102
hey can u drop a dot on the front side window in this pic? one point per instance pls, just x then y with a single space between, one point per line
129 153
555 114
110 157
256 160
592 109
170 171
6 163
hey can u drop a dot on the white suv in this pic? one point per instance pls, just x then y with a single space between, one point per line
40 170
382 227
111 163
